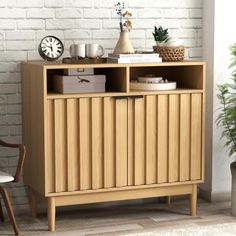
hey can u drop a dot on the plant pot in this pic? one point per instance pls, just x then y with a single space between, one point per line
233 190
123 45
160 43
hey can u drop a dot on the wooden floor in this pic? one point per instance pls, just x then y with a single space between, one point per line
134 219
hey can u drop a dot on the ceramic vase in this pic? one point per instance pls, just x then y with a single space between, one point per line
123 45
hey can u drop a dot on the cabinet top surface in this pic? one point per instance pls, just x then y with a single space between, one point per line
60 65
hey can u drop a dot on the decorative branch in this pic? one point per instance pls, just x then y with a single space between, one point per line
120 7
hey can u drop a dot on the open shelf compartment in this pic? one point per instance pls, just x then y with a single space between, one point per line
116 79
187 77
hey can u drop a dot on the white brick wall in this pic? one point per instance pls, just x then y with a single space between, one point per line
23 23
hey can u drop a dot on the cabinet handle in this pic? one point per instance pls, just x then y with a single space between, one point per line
126 97
120 97
136 97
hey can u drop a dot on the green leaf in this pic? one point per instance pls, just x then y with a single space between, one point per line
160 34
226 118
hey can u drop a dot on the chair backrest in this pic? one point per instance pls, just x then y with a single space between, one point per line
22 152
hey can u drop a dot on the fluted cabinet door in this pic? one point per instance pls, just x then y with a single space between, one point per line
164 139
87 144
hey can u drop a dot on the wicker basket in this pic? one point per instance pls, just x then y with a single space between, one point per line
170 53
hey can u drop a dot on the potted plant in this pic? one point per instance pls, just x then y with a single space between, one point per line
123 45
160 35
169 49
227 120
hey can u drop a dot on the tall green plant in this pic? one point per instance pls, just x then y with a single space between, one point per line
227 115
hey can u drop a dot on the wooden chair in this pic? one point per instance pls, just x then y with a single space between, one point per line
7 178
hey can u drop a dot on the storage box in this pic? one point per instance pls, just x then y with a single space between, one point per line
79 84
79 71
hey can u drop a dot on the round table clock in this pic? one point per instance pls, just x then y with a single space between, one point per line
50 48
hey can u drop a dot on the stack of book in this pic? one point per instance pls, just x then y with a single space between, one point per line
134 58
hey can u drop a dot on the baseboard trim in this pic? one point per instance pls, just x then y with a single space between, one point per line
215 197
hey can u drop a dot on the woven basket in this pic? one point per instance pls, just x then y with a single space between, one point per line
170 53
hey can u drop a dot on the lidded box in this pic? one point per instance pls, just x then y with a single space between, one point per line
79 83
79 71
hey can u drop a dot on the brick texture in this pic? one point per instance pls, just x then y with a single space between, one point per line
23 23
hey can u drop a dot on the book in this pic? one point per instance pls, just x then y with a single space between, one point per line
137 55
134 60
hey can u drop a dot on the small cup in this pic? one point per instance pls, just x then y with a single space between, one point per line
94 50
77 50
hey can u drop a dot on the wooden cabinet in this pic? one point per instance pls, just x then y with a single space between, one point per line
117 145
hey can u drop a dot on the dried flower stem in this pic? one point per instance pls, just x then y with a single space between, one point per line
123 15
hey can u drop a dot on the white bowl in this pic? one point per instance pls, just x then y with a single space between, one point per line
146 79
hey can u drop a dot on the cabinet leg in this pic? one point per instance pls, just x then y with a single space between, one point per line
193 201
51 213
33 204
168 200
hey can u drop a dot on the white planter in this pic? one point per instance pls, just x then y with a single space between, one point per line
170 42
161 44
233 190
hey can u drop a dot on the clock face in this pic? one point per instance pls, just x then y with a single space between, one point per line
50 48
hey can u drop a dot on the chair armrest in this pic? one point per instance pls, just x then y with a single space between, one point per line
5 144
22 152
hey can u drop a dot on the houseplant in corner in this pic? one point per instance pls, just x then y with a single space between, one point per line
227 120
123 45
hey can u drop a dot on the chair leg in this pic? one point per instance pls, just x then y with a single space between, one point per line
1 212
10 212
